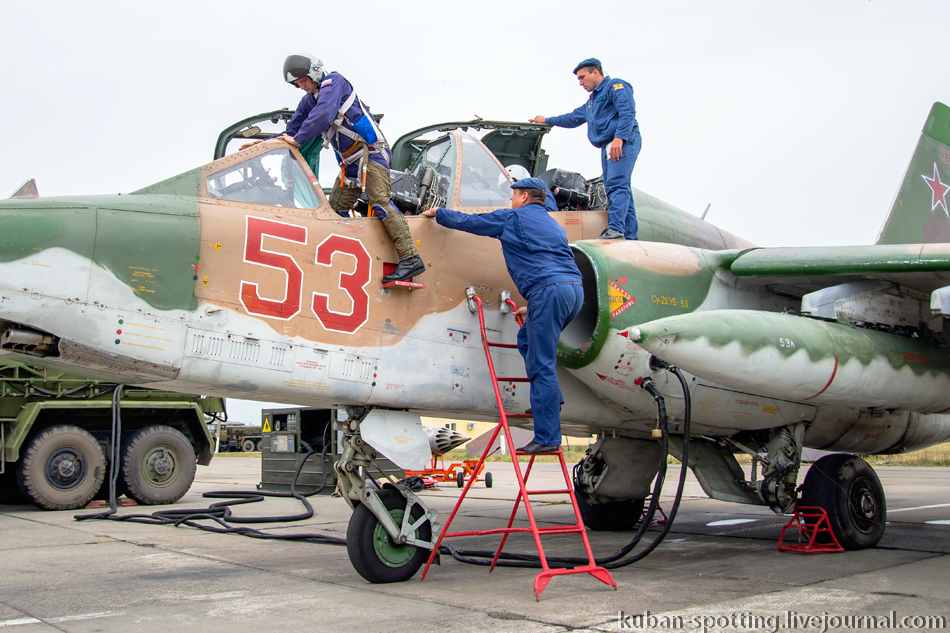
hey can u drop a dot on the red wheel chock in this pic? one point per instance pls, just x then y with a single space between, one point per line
810 521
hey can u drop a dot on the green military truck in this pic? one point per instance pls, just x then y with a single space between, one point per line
237 437
56 437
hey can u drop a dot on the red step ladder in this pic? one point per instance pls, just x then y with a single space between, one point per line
542 579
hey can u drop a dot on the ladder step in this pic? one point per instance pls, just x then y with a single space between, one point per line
522 415
547 492
504 345
573 529
511 379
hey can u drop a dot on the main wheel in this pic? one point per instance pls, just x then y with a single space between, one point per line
616 516
158 465
62 468
247 446
849 491
375 556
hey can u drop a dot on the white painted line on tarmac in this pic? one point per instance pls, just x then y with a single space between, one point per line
939 505
65 618
86 616
730 522
20 621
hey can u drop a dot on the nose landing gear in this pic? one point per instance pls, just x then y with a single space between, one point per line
390 531
375 554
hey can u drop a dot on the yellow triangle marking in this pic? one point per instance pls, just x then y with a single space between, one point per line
266 426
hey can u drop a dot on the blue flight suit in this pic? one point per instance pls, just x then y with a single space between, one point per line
541 264
610 112
314 115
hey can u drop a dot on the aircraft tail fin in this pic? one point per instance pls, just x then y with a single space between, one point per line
27 190
919 213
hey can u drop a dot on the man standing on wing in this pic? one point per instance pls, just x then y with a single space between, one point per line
541 263
611 117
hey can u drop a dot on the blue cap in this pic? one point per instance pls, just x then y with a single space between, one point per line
529 183
590 61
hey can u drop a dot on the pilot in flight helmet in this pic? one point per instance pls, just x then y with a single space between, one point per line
518 172
303 65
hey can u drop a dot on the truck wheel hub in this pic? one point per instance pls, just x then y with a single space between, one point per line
64 469
159 466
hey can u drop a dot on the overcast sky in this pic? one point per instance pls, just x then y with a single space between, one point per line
796 120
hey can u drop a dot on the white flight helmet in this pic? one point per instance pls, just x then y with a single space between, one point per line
517 172
303 65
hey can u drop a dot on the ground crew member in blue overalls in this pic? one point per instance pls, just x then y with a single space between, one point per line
542 266
611 117
331 108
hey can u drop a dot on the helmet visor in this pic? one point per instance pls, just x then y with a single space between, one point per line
295 67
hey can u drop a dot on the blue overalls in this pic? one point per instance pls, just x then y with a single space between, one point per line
541 264
610 112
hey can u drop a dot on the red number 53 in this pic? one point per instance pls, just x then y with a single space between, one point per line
353 282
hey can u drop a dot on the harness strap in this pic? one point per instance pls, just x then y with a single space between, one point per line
359 151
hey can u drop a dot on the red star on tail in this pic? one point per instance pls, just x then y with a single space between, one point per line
939 191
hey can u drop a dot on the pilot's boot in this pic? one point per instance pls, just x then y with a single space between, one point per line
410 264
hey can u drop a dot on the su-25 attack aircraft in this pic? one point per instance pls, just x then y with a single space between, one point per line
238 279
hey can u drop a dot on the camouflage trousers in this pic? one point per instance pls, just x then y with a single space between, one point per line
378 192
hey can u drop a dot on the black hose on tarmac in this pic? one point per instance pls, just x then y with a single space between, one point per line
114 459
220 512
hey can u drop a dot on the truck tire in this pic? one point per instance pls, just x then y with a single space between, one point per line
62 468
247 446
158 465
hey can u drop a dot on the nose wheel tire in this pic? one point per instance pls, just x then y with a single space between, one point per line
849 491
374 554
158 465
62 468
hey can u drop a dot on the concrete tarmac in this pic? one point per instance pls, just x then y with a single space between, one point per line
718 570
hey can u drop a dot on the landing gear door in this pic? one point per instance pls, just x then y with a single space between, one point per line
399 436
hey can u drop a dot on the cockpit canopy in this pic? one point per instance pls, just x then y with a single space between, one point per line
275 178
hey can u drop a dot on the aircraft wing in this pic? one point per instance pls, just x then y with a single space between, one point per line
797 271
